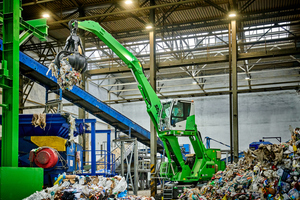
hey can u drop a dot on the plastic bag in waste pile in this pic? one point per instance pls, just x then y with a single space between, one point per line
191 194
83 187
270 172
86 187
133 197
66 76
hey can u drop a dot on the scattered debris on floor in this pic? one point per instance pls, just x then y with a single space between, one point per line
270 172
191 194
86 187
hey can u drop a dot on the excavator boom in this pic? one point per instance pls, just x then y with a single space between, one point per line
172 120
152 101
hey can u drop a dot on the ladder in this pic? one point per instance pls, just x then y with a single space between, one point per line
54 105
168 191
117 152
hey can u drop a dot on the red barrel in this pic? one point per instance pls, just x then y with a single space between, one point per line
45 157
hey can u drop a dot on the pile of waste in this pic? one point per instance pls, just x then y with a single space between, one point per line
191 194
66 76
270 172
69 187
133 197
83 187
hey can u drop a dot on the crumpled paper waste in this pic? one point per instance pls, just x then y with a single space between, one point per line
83 187
191 194
87 187
271 172
66 76
39 120
133 197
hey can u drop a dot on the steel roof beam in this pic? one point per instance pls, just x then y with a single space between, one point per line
211 22
215 93
75 3
127 11
205 48
216 6
246 5
208 60
91 39
36 2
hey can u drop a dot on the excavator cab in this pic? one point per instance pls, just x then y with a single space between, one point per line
177 115
73 51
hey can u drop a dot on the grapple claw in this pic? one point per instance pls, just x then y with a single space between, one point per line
73 51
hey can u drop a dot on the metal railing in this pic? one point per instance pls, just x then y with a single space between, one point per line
105 165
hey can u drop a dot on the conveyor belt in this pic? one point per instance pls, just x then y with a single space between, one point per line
37 72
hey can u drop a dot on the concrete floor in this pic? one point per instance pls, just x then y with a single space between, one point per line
143 192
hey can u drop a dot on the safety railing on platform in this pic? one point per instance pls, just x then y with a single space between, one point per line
128 150
105 165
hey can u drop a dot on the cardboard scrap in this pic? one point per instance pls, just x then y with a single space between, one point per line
39 120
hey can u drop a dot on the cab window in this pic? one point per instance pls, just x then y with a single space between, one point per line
180 112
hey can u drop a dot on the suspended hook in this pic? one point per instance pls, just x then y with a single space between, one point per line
75 28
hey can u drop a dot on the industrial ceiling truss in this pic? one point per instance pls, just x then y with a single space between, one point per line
192 44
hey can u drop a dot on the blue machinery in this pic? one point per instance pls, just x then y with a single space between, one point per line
31 137
110 157
207 143
38 72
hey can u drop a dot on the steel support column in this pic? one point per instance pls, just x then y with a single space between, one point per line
153 136
21 94
10 173
230 92
10 83
136 165
93 148
234 92
81 111
122 158
109 166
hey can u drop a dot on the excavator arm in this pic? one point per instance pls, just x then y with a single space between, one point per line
199 167
152 101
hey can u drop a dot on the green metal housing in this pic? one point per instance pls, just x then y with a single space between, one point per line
15 183
20 182
205 161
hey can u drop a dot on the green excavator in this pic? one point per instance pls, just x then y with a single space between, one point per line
172 119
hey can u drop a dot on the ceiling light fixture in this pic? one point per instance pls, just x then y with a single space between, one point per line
232 14
248 77
128 2
46 15
149 26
